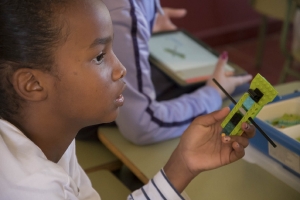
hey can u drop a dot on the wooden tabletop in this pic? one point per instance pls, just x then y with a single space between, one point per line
108 186
93 156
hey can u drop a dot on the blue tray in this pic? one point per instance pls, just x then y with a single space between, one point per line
260 143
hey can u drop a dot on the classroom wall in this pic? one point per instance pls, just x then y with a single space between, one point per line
218 22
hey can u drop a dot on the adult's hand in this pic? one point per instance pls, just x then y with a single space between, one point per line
164 23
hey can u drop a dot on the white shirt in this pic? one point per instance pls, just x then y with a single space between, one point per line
26 173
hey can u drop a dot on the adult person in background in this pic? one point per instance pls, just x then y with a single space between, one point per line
162 111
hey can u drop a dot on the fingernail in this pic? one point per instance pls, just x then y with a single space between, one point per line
224 55
227 138
247 126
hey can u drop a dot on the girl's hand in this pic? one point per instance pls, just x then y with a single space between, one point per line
203 148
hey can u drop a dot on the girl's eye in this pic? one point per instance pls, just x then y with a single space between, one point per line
98 60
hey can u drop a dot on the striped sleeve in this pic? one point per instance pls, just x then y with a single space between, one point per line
158 188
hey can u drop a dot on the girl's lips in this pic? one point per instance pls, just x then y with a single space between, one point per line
119 100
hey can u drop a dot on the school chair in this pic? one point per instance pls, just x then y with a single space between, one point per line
108 186
283 10
93 156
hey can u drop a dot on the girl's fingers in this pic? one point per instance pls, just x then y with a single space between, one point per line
239 151
249 130
225 138
242 141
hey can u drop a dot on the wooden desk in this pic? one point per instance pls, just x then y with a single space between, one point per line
240 180
143 161
108 186
93 156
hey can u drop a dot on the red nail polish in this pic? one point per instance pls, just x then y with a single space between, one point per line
224 55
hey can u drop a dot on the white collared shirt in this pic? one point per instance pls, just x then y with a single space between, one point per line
26 173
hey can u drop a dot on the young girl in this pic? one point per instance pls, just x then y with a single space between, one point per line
59 74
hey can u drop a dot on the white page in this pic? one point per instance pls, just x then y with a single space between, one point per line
179 52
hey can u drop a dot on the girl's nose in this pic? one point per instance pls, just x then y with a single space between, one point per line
119 71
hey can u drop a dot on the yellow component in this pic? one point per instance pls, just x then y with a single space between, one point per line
223 134
269 93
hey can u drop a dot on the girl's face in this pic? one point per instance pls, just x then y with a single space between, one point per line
88 89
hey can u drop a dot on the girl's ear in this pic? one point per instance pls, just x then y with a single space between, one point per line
29 84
